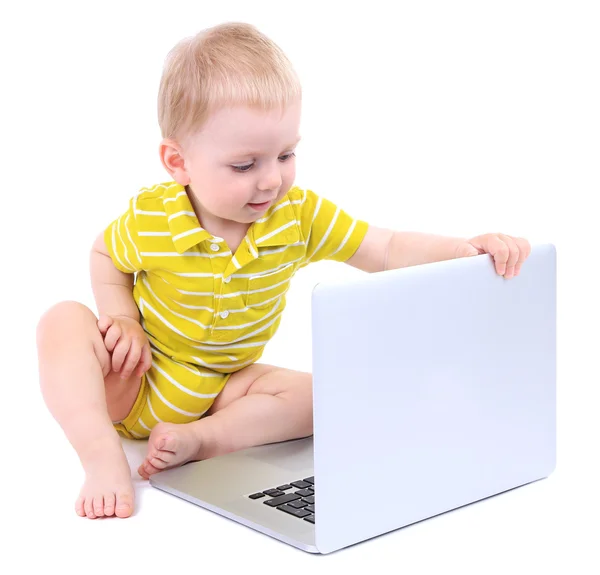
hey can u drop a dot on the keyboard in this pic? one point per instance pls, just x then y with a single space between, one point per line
296 498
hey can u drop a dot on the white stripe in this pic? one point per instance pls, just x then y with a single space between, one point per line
145 304
236 346
234 327
158 186
182 213
288 203
140 421
267 288
169 404
145 282
345 240
248 336
203 307
265 252
199 373
154 233
139 435
327 233
231 357
194 371
218 276
146 213
227 295
175 198
245 325
152 410
277 231
235 262
196 275
262 220
252 250
181 387
239 310
114 244
176 254
266 272
222 365
279 296
137 253
124 245
189 232
313 221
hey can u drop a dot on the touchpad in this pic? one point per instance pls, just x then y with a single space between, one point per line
294 455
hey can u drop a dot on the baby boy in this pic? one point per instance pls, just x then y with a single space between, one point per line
190 280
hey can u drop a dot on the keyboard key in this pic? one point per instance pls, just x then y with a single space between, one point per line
301 484
310 499
281 500
284 487
295 512
305 492
310 519
298 504
256 495
310 480
273 492
310 508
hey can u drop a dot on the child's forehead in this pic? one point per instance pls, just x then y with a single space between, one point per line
241 129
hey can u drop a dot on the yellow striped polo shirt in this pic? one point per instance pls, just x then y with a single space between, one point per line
203 305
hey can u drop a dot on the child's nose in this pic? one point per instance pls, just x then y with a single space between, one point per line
271 179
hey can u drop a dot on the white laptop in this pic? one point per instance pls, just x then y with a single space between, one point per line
434 386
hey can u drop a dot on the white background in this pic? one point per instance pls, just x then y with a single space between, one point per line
457 118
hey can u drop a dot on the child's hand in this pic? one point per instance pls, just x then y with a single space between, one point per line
509 253
126 341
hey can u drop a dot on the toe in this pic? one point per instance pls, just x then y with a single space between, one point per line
88 506
98 506
146 469
158 463
79 506
124 505
109 504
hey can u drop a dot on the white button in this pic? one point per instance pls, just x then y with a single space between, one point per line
227 280
214 247
224 314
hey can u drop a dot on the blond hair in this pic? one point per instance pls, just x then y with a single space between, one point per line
229 64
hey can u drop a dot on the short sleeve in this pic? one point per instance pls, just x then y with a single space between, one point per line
121 239
329 232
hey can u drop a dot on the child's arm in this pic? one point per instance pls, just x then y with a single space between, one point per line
113 289
383 249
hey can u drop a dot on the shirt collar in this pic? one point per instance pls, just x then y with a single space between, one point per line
278 227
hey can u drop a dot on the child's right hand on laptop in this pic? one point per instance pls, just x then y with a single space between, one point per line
126 341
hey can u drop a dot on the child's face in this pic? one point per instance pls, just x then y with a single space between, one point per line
242 162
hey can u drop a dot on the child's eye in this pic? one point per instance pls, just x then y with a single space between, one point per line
246 167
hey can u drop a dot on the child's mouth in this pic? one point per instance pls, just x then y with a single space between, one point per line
260 207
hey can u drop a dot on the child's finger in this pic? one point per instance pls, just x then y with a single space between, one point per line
131 360
112 337
145 361
119 354
104 323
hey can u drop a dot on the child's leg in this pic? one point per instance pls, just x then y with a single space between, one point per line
73 365
260 404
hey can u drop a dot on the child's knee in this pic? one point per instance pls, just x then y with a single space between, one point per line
60 318
69 323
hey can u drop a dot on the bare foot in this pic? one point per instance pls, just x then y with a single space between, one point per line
108 489
170 445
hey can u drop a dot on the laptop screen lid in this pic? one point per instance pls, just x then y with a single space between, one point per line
434 387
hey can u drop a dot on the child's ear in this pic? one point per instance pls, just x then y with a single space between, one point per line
172 159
